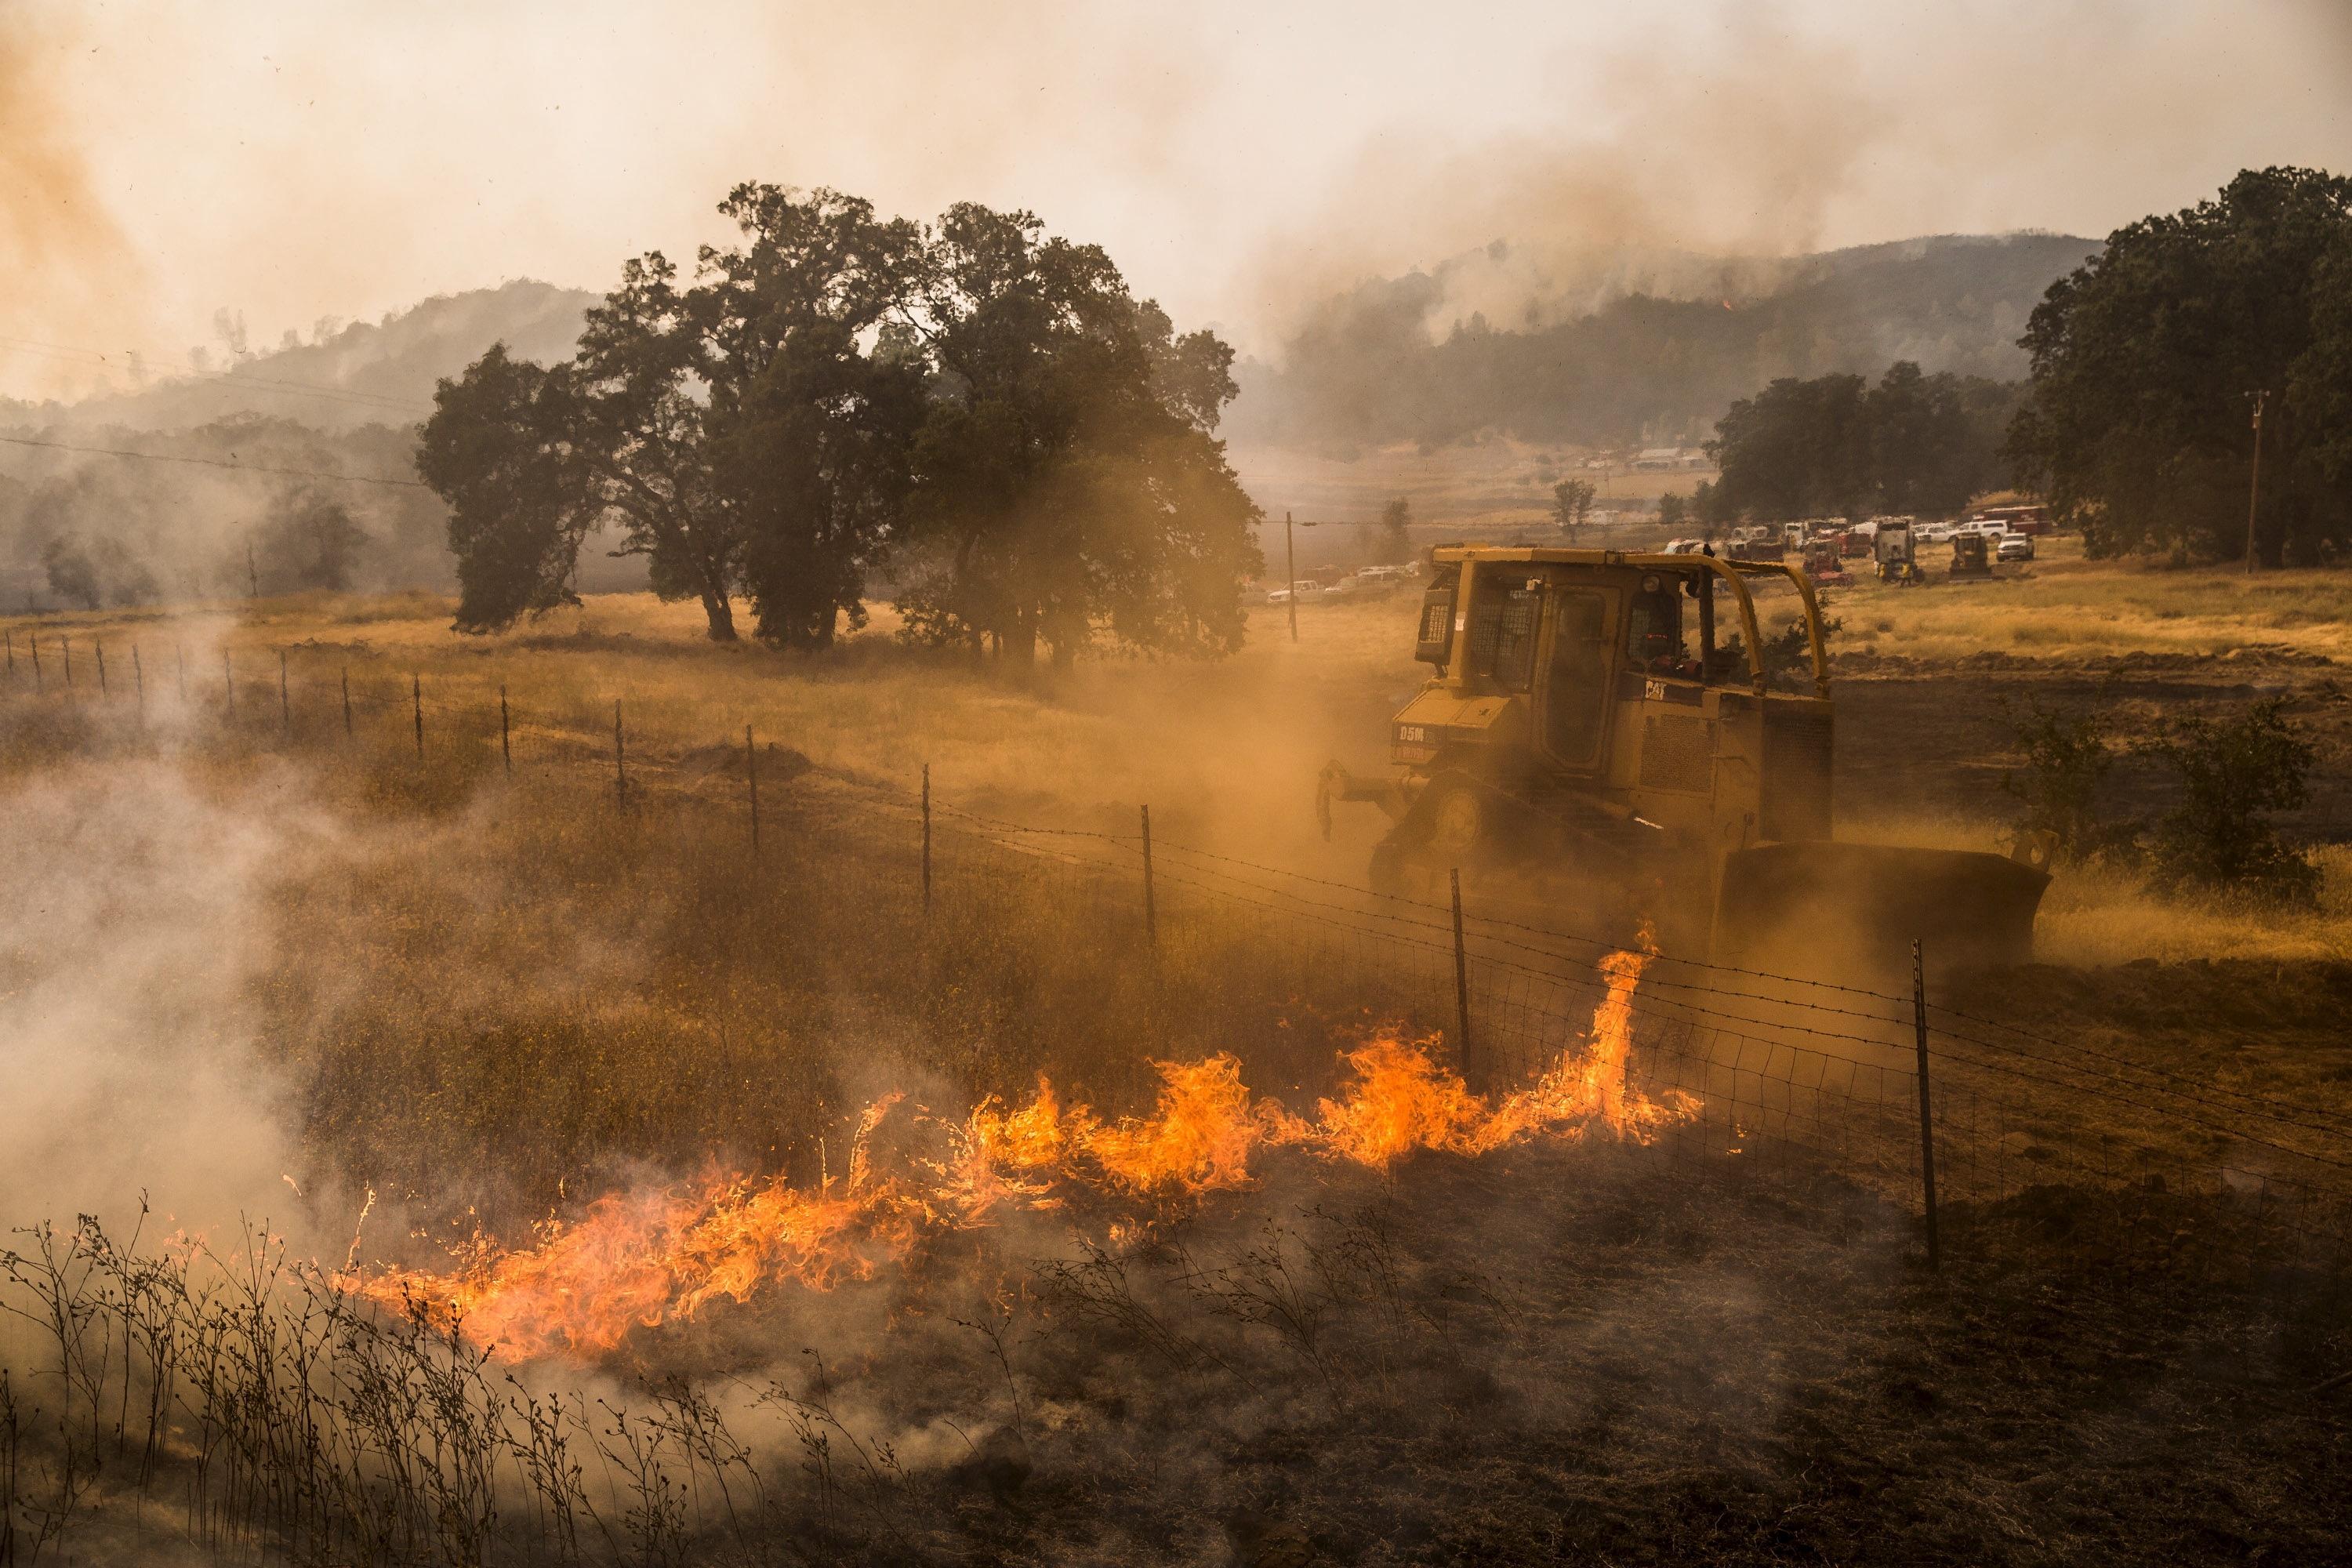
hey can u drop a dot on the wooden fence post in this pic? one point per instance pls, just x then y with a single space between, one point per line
40 682
416 701
927 838
66 643
1150 913
620 761
1927 1123
1461 1049
506 741
752 772
100 647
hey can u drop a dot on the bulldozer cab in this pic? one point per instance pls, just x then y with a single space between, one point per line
1626 696
1604 731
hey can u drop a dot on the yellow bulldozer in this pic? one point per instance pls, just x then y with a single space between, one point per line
1609 737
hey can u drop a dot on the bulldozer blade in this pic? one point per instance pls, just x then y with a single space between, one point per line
1848 912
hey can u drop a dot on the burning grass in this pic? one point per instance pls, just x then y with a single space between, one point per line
1122 1310
1566 1352
643 1258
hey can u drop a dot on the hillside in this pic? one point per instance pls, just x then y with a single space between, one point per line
1392 361
367 373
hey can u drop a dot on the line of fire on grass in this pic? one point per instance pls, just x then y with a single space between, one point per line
650 1257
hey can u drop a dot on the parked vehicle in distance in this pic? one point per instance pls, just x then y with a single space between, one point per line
2022 519
1686 547
2014 547
1971 558
1277 596
1897 556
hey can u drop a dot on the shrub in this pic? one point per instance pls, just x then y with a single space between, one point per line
2067 760
1788 653
2231 774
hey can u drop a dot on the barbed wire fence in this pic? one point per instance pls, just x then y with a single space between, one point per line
2089 1154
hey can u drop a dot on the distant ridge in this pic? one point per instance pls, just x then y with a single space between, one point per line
367 373
1657 348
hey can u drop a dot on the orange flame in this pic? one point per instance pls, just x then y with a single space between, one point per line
652 1257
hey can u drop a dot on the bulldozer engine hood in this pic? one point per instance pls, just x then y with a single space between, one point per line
1438 720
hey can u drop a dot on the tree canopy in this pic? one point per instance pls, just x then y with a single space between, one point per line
2145 360
1067 480
1837 445
1030 447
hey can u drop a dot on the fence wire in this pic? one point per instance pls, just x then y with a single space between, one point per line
2087 1151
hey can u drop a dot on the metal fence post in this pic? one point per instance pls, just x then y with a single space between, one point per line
1927 1122
65 643
1150 912
1461 1049
139 684
40 682
416 701
11 637
347 702
620 760
506 744
284 706
927 838
752 776
100 647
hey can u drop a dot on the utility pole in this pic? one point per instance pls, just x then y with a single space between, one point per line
1290 564
2254 493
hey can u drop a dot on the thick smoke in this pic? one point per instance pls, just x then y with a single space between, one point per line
85 531
134 924
70 266
1690 161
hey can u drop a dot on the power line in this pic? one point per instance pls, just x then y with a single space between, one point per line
215 463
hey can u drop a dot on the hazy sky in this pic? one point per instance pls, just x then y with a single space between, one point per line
304 159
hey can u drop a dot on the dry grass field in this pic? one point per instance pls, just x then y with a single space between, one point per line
1932 682
424 1016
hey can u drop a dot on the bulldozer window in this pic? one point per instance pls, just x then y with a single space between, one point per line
1653 627
1434 641
1576 695
1503 635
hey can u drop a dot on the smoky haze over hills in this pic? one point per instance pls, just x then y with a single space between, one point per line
1637 346
1616 345
1604 347
345 376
